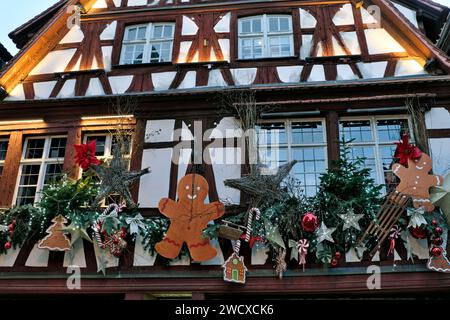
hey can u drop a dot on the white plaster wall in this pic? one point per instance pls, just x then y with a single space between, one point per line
189 80
38 257
120 84
135 3
76 256
224 24
159 130
42 90
437 118
410 14
351 42
227 165
380 41
155 185
16 94
110 32
317 73
344 16
345 72
244 76
306 19
189 27
107 52
289 73
306 46
142 257
74 35
215 79
408 67
228 127
225 46
372 69
100 4
95 88
163 80
8 259
440 153
68 89
184 49
55 61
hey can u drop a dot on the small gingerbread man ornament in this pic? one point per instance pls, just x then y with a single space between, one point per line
416 181
189 216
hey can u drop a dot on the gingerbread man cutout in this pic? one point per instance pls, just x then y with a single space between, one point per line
189 216
416 182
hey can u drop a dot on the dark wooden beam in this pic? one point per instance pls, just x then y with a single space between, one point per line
11 169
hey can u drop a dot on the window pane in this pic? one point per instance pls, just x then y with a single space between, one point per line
26 195
52 171
273 25
131 35
3 149
273 157
246 26
57 148
142 33
391 130
101 142
368 156
256 25
30 175
358 131
168 31
157 32
124 141
284 24
307 132
35 148
271 134
309 168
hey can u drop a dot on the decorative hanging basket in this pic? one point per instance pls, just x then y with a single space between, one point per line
231 231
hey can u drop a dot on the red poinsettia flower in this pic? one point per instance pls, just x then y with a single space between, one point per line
85 154
406 151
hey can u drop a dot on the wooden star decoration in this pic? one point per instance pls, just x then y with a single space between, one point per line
115 179
76 232
259 186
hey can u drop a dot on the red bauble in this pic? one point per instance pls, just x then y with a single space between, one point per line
438 230
434 222
310 222
438 241
436 251
334 262
418 232
338 255
8 245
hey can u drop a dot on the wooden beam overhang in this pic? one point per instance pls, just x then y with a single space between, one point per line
336 282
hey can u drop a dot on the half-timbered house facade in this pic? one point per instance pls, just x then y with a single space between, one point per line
327 69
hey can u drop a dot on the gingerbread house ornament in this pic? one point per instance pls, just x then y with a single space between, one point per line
234 269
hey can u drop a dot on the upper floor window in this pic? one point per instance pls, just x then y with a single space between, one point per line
373 138
3 149
301 140
266 36
42 160
148 43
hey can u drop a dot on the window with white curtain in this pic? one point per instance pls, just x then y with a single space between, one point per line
148 43
265 36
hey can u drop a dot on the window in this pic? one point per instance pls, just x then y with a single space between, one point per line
148 43
42 160
3 149
265 36
301 140
105 146
373 139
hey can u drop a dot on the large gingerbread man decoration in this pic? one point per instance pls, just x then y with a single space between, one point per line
189 216
416 181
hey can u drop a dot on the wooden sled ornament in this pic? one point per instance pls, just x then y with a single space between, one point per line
392 208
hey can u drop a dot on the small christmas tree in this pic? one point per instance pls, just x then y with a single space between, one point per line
56 240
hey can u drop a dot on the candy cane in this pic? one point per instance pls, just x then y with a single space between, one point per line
250 221
237 247
98 238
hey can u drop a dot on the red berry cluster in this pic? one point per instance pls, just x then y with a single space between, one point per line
436 239
335 260
11 227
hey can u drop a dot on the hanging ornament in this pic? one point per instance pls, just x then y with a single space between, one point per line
116 243
334 262
338 255
394 234
234 269
299 251
56 240
324 233
351 220
439 262
418 232
436 251
310 222
416 217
